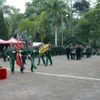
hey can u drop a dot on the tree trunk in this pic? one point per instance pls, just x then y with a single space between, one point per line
62 38
56 35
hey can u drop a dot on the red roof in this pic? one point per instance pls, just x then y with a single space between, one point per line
11 40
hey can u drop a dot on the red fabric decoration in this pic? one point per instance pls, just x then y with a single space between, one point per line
18 59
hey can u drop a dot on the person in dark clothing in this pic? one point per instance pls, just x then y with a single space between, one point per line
78 52
68 50
11 52
3 52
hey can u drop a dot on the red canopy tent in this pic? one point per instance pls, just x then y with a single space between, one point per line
11 40
2 41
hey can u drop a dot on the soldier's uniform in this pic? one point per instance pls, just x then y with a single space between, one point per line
11 52
68 51
48 56
3 52
22 53
32 51
41 56
88 51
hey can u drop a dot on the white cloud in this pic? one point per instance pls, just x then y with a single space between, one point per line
18 4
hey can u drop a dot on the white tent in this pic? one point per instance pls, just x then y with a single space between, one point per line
37 43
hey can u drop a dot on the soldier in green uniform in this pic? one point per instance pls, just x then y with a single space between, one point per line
88 51
32 51
54 50
41 56
11 52
22 57
3 52
25 53
98 52
48 56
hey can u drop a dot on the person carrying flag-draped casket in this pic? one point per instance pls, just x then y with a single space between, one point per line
41 55
11 52
31 52
48 55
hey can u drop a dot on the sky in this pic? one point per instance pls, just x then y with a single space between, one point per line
18 4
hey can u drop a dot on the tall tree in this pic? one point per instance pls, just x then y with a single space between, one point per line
81 7
56 13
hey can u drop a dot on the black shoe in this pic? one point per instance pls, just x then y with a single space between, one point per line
12 71
45 65
32 70
35 67
24 68
21 70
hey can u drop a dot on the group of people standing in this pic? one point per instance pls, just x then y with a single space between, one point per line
26 51
78 51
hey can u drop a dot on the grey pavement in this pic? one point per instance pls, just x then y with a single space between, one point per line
64 80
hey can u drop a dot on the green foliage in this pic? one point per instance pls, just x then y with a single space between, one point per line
88 28
26 24
35 7
9 27
56 14
2 1
3 27
94 18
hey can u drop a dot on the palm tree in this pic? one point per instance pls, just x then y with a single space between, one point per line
56 12
39 23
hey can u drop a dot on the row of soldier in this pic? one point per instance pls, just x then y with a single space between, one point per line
24 52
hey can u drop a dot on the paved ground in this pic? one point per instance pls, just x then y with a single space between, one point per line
64 80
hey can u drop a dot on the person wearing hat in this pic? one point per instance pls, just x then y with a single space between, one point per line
41 56
31 52
48 55
22 52
11 52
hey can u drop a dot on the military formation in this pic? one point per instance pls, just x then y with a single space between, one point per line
73 52
26 52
